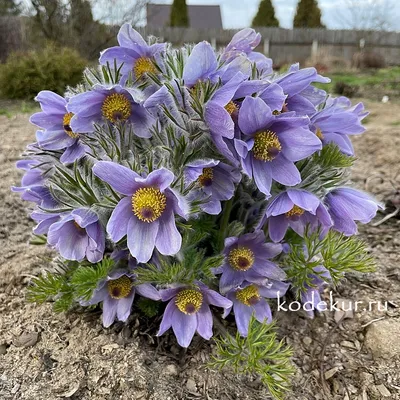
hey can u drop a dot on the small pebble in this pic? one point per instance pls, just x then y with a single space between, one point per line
191 385
171 369
307 341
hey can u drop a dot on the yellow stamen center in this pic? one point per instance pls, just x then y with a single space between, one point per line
296 211
206 178
144 65
249 295
276 112
241 259
120 288
231 107
266 146
67 128
148 204
189 301
319 134
116 107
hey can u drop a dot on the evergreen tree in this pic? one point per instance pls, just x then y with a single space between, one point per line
308 15
265 15
179 14
9 7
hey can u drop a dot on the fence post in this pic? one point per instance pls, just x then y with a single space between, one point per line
314 50
214 42
362 43
266 47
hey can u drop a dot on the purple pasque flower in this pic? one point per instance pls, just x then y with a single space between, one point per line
146 213
273 144
44 221
215 183
302 97
297 209
33 187
113 104
188 311
117 293
247 259
347 205
56 133
221 108
250 298
244 42
202 64
222 128
133 54
311 298
77 235
337 121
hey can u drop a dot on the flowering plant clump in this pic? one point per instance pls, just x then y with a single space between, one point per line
192 186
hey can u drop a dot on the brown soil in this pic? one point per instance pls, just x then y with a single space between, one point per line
47 356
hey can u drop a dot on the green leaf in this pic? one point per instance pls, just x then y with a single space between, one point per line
260 353
337 253
148 307
86 278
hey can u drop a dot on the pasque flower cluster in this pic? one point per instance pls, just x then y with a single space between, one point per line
160 140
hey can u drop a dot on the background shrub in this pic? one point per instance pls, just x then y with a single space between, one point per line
53 68
345 89
368 59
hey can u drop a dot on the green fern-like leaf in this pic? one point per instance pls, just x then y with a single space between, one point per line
261 353
86 278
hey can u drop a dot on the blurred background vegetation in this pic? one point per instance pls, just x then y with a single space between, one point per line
61 37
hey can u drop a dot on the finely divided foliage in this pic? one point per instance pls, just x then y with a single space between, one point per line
196 185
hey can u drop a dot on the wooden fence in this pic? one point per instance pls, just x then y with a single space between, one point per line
282 45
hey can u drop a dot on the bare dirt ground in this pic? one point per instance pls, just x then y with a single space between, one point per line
46 356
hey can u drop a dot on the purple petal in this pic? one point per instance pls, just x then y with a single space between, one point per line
73 153
109 311
285 172
55 140
184 327
127 36
216 299
219 120
84 217
230 279
201 63
205 322
160 178
277 227
242 317
166 322
121 179
263 311
141 238
225 94
168 240
148 291
51 102
254 115
281 204
299 143
117 226
307 201
262 173
124 306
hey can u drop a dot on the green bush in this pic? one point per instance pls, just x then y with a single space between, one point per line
25 74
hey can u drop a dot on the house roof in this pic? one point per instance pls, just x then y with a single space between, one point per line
200 16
